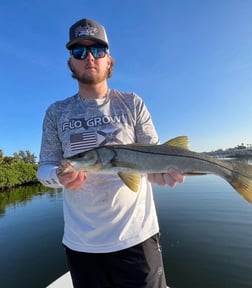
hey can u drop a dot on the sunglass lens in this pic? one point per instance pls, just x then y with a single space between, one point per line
96 51
79 52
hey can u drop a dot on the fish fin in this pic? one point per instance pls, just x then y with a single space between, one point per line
132 180
180 141
242 180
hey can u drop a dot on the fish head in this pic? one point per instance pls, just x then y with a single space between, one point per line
85 161
92 160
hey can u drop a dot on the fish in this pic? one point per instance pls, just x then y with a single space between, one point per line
130 161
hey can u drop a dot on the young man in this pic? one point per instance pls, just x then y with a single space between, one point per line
111 234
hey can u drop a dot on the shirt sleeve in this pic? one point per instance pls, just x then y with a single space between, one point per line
51 149
145 130
47 175
50 152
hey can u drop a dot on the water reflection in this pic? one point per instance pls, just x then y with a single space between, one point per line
31 227
247 160
21 196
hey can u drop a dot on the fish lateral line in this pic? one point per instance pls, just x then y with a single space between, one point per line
209 161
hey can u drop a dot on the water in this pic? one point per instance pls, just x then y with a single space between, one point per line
206 237
31 226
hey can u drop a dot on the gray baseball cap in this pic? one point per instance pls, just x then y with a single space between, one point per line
86 29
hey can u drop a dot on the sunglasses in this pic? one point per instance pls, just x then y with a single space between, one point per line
81 52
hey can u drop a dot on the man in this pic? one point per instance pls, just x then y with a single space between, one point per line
111 234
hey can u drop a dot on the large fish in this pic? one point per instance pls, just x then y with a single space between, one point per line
131 160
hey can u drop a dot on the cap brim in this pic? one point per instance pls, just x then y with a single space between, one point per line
75 41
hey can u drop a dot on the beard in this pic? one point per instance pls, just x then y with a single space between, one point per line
90 79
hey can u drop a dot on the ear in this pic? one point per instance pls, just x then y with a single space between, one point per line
69 63
109 61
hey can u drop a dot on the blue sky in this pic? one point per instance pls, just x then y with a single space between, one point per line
190 60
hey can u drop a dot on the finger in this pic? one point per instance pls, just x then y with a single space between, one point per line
169 180
64 167
151 177
158 178
73 185
77 182
178 177
72 180
66 178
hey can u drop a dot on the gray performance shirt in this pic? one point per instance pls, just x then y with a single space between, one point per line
104 215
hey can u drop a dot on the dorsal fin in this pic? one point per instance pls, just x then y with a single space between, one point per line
180 141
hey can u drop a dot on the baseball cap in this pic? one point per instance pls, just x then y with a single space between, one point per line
89 30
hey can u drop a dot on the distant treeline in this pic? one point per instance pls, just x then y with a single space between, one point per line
20 169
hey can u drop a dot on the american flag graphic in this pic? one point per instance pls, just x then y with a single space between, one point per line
83 141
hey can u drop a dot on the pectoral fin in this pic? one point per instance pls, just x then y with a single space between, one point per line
132 180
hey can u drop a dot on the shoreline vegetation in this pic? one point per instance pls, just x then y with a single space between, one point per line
18 170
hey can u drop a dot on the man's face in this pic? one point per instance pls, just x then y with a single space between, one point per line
90 70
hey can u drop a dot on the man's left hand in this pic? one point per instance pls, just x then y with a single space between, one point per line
171 178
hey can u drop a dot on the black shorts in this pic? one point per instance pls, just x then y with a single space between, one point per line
140 266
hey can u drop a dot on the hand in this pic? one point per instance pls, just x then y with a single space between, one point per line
72 180
170 178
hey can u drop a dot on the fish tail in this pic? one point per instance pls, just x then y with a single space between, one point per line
241 180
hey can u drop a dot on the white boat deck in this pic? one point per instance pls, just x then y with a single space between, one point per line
64 281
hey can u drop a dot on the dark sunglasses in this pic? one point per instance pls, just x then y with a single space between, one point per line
80 52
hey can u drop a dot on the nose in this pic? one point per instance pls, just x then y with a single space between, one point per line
90 56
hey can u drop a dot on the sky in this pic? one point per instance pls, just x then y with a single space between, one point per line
190 61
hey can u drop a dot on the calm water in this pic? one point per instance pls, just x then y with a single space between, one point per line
206 235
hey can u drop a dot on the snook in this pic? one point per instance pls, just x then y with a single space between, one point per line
129 161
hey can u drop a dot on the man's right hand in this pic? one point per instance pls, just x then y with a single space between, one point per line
72 180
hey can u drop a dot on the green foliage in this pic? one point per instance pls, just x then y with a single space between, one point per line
26 156
17 170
